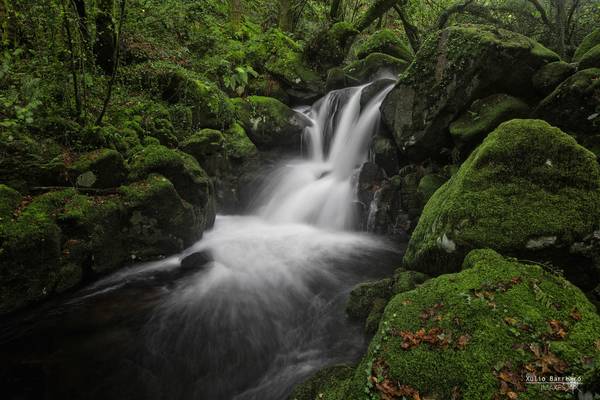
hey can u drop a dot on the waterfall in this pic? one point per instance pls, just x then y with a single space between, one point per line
319 190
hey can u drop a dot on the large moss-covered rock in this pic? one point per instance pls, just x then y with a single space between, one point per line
374 65
271 124
101 168
528 190
27 161
207 146
238 145
483 116
190 180
575 107
591 40
328 47
547 78
591 59
476 335
383 41
452 68
51 243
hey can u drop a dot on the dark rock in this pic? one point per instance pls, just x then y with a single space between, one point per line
375 65
453 68
328 47
196 260
547 78
591 59
588 42
103 168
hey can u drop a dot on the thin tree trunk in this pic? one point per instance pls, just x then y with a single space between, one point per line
104 46
561 21
334 11
412 33
377 9
285 15
77 95
116 63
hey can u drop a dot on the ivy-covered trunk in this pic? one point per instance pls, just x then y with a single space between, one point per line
104 46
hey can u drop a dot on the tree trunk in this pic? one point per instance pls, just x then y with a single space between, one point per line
561 22
285 15
8 29
377 9
235 13
104 47
82 15
334 11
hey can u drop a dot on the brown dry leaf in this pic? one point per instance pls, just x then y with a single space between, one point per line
575 314
462 342
558 329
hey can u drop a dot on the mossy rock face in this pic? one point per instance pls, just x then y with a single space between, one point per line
101 168
238 145
374 65
385 153
9 200
336 79
207 146
328 47
591 40
271 124
547 78
27 162
453 68
363 296
483 116
190 180
591 59
528 190
383 41
475 332
575 106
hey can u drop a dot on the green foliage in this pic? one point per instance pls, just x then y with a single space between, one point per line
238 81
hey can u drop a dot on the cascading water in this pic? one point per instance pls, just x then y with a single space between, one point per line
268 309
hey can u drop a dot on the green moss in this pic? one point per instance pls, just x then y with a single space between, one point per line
526 181
366 69
375 314
329 46
488 319
407 280
591 40
429 184
9 200
363 296
383 41
591 59
269 123
237 144
106 165
547 78
484 115
207 146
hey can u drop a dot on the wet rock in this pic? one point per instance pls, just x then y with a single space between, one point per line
369 179
383 41
373 66
574 107
453 68
336 79
483 116
554 202
207 146
271 124
385 153
547 78
591 59
103 168
364 295
588 42
196 260
429 184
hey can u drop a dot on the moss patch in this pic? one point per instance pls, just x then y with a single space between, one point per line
591 59
591 40
383 41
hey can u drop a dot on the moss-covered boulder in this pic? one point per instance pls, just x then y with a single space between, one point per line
102 168
328 380
453 68
329 46
190 180
336 79
575 107
588 42
547 78
591 59
271 124
383 41
207 146
483 116
374 65
238 145
61 239
528 190
28 162
429 184
364 295
477 334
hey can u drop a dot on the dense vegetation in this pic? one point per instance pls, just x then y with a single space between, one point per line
125 125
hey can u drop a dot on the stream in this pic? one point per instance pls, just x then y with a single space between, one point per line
261 316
